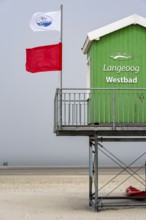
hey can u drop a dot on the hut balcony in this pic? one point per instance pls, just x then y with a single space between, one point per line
107 111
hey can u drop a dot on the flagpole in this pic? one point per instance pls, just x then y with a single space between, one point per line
61 40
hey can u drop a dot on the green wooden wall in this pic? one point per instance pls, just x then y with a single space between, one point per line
128 71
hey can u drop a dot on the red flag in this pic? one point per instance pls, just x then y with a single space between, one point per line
44 58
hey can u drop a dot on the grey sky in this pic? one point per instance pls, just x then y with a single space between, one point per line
27 110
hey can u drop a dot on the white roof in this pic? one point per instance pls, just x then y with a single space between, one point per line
96 34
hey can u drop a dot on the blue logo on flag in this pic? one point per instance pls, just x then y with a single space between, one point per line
44 21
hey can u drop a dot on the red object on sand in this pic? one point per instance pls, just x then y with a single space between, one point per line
132 191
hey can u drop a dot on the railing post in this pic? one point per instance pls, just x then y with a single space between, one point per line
114 109
60 107
55 112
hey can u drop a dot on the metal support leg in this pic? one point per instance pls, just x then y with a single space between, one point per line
90 173
96 172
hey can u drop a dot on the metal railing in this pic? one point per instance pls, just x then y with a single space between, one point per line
85 107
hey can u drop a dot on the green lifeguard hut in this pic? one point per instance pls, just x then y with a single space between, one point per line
116 67
112 108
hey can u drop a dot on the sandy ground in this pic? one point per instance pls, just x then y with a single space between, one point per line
43 195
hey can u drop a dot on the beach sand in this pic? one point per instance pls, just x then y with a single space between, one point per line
54 194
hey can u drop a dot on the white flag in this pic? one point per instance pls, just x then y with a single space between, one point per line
46 21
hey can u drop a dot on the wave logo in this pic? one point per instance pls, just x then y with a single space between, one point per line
121 56
44 21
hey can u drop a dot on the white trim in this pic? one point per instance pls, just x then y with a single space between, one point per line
88 60
96 34
88 76
88 73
